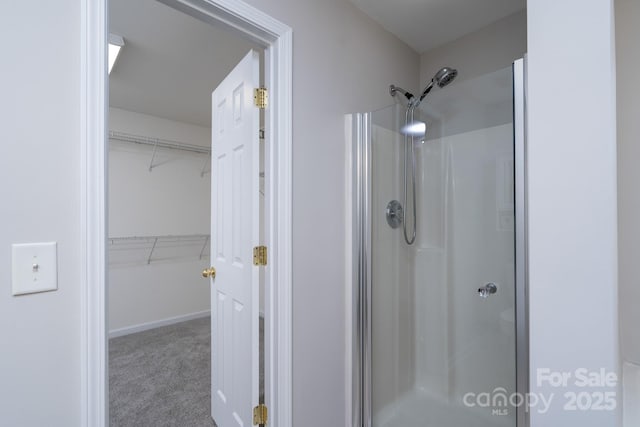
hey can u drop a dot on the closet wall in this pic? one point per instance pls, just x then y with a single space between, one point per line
150 286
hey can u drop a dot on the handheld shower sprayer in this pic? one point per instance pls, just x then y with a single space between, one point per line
443 77
411 129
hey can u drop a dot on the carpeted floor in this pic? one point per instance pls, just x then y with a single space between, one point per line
162 377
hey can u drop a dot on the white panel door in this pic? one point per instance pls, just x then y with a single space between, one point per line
234 232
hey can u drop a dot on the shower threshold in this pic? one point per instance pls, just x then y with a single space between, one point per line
421 408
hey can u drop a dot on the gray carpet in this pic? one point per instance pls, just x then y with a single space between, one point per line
162 377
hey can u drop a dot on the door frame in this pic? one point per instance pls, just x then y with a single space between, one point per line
276 37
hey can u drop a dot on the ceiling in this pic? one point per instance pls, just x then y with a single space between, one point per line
425 24
171 62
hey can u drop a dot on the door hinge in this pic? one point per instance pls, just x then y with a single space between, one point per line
260 255
260 97
260 414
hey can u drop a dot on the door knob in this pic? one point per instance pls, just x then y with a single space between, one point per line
209 273
488 289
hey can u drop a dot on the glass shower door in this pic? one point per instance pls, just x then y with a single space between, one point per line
441 311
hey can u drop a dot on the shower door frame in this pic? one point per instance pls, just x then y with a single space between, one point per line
359 251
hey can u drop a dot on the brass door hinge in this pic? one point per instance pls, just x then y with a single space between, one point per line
260 97
260 255
260 415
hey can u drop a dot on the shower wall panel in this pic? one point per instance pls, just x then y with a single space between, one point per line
434 339
429 276
467 241
392 293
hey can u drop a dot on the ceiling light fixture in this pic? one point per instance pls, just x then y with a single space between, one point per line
115 44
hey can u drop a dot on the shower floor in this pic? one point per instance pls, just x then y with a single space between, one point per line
418 408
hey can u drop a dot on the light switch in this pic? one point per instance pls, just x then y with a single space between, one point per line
34 267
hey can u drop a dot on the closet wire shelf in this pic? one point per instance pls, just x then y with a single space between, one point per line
157 248
161 143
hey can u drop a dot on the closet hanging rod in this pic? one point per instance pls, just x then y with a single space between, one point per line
163 238
158 142
157 242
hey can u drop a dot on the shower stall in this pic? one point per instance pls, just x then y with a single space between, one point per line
439 321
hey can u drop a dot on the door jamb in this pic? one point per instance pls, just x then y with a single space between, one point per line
277 39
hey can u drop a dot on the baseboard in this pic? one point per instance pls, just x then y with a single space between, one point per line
157 323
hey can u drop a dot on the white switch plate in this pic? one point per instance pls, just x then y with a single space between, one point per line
34 268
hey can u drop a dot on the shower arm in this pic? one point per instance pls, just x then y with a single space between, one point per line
393 89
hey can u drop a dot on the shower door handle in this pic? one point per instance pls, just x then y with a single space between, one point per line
488 289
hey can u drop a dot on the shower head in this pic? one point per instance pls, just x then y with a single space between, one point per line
443 77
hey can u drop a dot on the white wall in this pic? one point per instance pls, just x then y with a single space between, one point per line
628 103
343 62
172 199
40 187
158 127
572 199
488 49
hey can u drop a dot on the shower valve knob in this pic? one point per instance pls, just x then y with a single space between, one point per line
394 214
488 289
